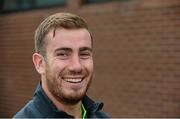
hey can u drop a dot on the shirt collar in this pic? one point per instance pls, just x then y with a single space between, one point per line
45 105
48 109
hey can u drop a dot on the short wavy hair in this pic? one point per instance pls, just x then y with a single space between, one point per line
58 20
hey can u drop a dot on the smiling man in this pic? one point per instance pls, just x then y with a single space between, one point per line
64 59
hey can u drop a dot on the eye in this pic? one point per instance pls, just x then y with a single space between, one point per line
62 55
85 55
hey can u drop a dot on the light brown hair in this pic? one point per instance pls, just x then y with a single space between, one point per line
58 20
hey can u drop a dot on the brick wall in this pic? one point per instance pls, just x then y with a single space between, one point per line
137 57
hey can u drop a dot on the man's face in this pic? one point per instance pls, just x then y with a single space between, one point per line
68 64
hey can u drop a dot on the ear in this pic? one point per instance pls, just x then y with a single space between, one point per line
39 63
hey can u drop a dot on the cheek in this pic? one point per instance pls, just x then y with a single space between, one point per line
89 65
59 68
58 64
54 68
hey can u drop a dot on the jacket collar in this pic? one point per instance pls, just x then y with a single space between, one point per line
48 109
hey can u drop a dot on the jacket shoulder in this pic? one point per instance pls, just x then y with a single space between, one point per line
28 111
101 114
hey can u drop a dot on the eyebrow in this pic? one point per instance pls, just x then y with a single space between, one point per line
63 49
86 48
70 50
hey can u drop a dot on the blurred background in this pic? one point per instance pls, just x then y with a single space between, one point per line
137 53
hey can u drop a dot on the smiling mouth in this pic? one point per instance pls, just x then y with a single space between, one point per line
73 79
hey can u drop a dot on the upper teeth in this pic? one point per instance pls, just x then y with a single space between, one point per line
73 80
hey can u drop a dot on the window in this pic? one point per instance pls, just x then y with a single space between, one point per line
100 1
7 6
44 3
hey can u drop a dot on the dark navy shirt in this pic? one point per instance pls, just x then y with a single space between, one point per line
42 107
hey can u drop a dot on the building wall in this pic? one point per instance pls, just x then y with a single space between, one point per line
137 57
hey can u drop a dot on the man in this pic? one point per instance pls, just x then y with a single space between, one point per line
64 59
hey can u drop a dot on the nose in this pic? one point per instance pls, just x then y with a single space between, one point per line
75 64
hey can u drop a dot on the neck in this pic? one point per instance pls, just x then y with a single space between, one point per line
74 110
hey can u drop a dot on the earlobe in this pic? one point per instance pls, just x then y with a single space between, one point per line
39 64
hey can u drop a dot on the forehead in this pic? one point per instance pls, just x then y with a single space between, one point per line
70 38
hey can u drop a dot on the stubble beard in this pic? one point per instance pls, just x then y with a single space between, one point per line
54 85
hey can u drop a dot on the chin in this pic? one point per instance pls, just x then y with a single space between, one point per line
71 99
